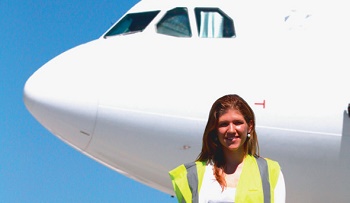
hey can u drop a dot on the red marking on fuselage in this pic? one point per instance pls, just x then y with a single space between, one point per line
261 103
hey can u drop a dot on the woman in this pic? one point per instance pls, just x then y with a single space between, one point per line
229 168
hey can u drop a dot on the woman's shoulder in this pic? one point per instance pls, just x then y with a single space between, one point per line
190 165
270 162
184 168
266 158
194 164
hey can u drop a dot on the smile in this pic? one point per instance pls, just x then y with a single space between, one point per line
230 138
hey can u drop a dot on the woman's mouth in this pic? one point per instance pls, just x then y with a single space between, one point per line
230 138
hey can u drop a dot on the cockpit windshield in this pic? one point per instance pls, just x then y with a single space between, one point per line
175 23
211 23
132 22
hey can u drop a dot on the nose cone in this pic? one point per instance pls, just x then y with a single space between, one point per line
61 96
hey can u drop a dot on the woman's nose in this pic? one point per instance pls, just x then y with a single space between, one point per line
231 128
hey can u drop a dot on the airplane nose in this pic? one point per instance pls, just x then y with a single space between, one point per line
61 96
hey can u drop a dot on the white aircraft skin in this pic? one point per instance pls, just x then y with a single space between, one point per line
138 102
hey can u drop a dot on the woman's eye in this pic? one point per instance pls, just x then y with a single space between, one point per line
238 122
223 124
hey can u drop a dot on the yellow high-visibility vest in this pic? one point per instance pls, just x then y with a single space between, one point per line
256 184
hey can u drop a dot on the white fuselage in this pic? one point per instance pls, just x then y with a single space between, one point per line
138 102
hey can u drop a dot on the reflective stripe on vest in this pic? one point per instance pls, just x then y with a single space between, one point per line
192 178
264 174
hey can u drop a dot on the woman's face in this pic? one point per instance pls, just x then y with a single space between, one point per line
232 130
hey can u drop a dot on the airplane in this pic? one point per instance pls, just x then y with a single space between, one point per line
137 99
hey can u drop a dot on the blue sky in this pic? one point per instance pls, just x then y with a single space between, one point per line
35 166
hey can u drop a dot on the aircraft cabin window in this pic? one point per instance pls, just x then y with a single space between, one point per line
175 23
132 22
213 23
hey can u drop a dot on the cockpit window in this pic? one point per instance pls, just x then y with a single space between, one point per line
175 23
213 23
132 22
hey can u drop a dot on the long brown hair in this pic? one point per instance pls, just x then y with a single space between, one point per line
212 151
